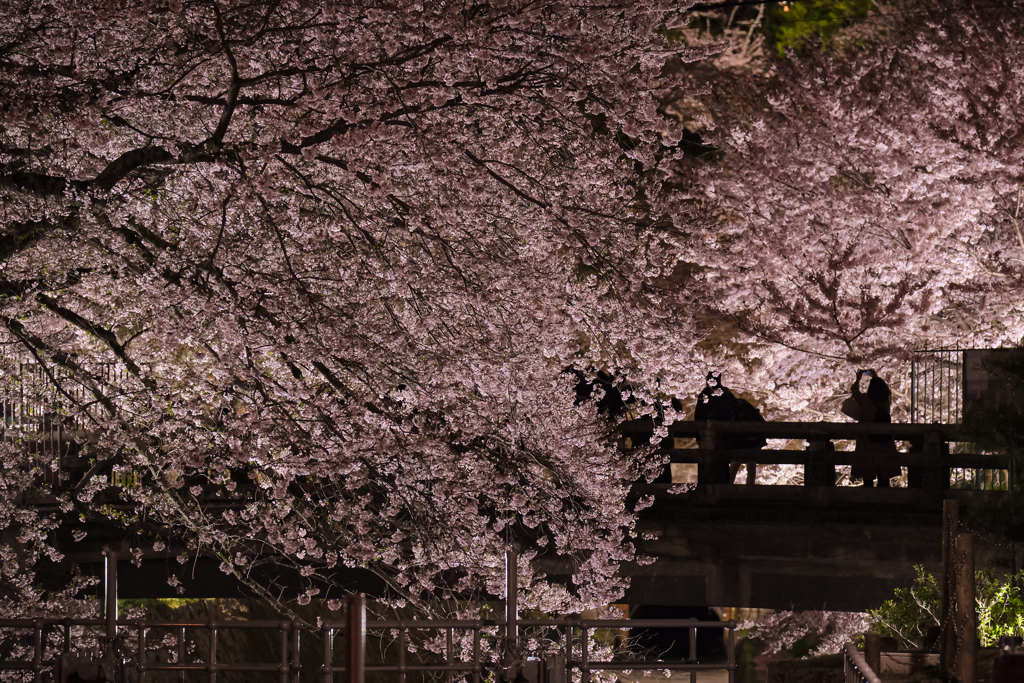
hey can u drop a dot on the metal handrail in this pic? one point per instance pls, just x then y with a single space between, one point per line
856 667
134 638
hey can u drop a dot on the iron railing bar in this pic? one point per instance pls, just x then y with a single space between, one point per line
653 664
37 654
212 666
140 665
624 623
584 653
730 649
282 667
477 666
467 624
692 654
328 663
593 665
296 652
401 655
414 668
225 668
181 653
449 647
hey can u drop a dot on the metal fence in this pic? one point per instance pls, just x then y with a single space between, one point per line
936 386
558 650
49 411
180 651
949 384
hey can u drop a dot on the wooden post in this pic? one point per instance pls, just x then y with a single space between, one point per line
964 615
947 582
935 475
708 442
873 652
817 473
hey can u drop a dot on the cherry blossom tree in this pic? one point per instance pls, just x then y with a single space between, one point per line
869 205
331 261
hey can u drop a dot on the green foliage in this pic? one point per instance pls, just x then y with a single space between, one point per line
800 22
911 612
999 601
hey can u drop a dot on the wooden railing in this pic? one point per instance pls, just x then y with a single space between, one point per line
925 449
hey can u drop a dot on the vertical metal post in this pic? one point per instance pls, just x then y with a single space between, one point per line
928 394
693 653
282 666
181 653
567 668
37 654
402 647
913 391
110 592
943 381
356 632
584 655
477 668
960 382
448 652
212 666
731 651
512 599
140 665
296 655
328 636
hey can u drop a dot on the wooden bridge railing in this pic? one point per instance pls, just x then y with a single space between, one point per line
927 453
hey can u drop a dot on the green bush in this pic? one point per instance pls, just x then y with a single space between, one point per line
794 26
911 612
999 601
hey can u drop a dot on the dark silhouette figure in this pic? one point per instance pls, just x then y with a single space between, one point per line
716 402
873 407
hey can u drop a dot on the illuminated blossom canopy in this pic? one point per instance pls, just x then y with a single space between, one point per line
869 205
339 257
335 261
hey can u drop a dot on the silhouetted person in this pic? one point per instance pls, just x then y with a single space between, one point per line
873 407
716 402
